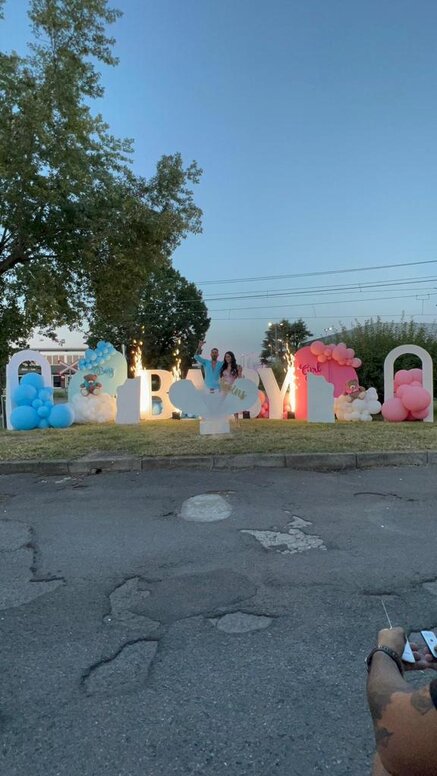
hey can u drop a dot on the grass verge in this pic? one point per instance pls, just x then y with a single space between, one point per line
170 437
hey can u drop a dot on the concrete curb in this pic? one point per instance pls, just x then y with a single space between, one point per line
98 462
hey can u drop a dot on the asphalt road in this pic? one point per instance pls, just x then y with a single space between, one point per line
137 641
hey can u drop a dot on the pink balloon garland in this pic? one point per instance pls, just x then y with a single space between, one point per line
343 355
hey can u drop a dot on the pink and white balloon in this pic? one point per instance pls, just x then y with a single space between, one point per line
340 353
411 401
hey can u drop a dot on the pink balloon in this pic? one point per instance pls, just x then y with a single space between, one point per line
322 358
400 390
317 347
261 396
420 414
416 374
415 399
394 411
403 377
342 345
356 362
339 353
350 352
327 352
416 383
342 362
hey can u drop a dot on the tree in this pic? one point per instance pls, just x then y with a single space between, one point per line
374 339
150 220
56 158
75 223
282 337
170 315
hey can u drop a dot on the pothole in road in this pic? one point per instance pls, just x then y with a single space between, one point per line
125 671
123 600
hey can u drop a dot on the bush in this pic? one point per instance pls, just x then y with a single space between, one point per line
373 340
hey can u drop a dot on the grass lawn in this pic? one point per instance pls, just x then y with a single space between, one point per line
171 437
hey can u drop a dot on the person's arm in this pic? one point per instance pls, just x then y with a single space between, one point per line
239 370
200 359
199 348
404 719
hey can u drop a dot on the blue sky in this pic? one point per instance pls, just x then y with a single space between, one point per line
315 123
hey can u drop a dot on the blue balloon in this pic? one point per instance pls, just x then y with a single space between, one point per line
101 344
88 354
43 411
24 394
156 406
61 416
33 378
46 394
36 403
24 418
44 423
49 403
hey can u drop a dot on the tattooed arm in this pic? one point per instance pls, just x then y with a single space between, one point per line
404 719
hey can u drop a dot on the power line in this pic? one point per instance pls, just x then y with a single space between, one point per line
326 317
354 287
318 302
314 274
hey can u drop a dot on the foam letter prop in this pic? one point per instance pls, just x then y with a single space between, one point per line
166 381
214 408
320 400
274 393
129 402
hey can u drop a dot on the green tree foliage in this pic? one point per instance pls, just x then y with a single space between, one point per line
374 339
56 158
280 337
77 229
170 315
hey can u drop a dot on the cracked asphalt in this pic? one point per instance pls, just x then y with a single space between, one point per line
137 641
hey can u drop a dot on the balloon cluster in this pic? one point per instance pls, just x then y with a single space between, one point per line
93 358
34 406
264 411
93 408
411 400
265 406
340 353
360 408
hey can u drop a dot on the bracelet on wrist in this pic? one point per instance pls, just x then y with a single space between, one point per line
387 651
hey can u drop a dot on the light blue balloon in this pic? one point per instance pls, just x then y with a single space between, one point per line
94 356
43 411
46 394
34 379
24 418
36 403
156 406
24 394
49 403
101 344
44 423
88 354
61 416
